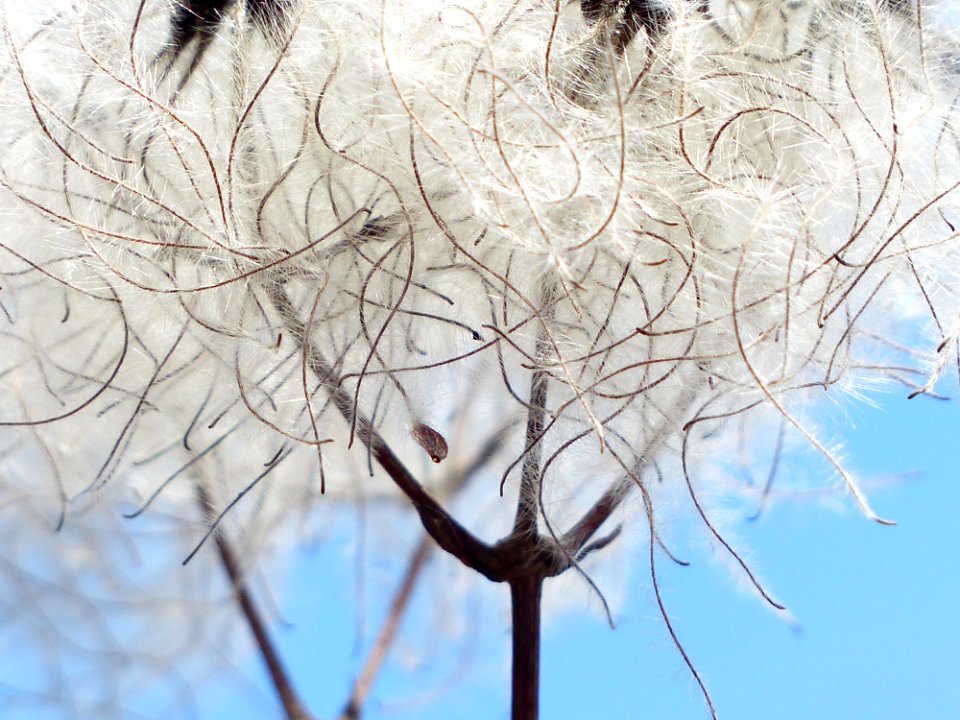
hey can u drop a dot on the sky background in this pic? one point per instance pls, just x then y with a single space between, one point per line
877 609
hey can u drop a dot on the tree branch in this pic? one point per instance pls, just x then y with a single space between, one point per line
361 686
579 535
292 705
528 506
449 534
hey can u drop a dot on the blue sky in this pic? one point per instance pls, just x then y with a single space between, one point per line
878 611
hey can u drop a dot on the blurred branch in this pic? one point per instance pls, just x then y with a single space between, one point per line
362 685
292 705
353 709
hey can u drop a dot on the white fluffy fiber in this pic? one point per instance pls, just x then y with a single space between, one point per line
738 211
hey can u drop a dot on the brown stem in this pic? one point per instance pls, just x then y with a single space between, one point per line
522 559
533 557
577 537
292 706
525 592
528 505
363 683
441 526
353 709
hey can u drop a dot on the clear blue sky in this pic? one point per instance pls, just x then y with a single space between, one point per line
879 610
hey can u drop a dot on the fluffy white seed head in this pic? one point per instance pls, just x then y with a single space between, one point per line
207 226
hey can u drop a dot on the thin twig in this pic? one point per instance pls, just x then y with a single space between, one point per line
442 527
577 537
528 507
364 682
353 709
292 705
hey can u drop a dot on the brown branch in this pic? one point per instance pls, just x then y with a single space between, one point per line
449 534
577 537
292 705
528 507
533 556
523 559
353 709
361 686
